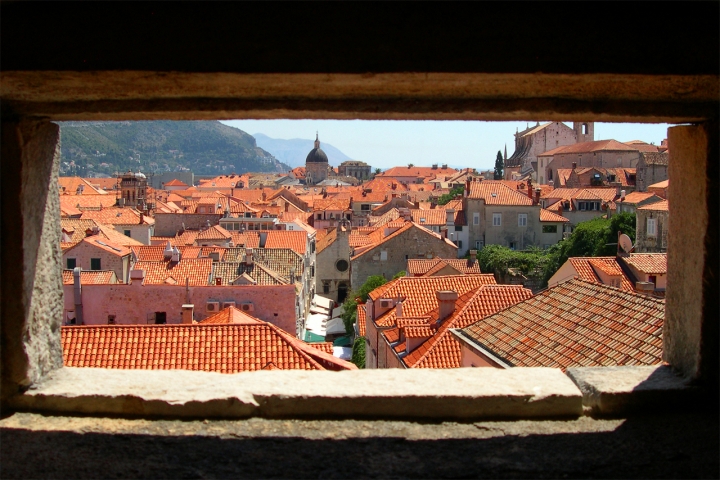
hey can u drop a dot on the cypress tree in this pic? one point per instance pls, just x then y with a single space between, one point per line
499 166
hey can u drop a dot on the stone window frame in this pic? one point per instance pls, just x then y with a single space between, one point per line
686 301
497 219
522 216
651 232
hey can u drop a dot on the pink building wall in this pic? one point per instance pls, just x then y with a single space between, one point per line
132 303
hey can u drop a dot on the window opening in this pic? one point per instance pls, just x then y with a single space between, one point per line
95 264
71 263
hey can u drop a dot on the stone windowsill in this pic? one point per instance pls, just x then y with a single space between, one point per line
461 394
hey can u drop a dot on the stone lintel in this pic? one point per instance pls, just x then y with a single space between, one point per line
623 390
440 394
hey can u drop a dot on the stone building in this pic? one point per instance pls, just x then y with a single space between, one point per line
392 245
316 165
651 227
652 168
533 141
133 190
606 154
354 168
332 276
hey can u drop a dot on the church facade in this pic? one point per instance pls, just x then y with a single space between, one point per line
533 141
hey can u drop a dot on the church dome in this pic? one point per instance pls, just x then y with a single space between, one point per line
316 155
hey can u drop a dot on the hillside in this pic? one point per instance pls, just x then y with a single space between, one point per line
98 149
293 152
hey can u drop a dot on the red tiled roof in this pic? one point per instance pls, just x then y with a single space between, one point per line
421 266
436 216
117 216
648 263
663 184
326 347
497 193
548 216
595 146
196 270
216 232
231 315
90 277
104 245
661 206
294 240
326 240
176 183
361 320
418 293
576 324
443 350
609 268
584 268
229 348
637 197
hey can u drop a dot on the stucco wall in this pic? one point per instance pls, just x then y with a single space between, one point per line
132 303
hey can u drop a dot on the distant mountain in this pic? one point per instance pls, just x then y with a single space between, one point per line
94 149
294 151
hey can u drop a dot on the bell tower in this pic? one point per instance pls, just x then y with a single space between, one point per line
584 131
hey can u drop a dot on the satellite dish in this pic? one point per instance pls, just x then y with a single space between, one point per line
625 243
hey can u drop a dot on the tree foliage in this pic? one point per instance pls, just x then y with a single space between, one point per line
499 166
358 352
594 238
357 297
445 199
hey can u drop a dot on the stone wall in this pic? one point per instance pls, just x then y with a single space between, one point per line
415 242
84 252
168 224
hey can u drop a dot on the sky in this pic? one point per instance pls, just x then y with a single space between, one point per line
387 143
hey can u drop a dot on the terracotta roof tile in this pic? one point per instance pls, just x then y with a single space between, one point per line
442 349
648 263
118 216
294 240
326 347
497 193
231 315
196 270
584 268
595 146
548 216
661 206
576 323
421 266
227 272
90 277
223 348
361 320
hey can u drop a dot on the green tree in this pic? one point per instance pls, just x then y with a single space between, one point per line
358 352
445 199
400 274
499 166
357 297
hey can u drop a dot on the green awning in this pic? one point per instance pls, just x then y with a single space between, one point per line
342 342
311 337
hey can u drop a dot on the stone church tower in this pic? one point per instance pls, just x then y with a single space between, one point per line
316 165
584 131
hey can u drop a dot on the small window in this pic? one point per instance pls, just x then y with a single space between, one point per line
111 320
549 229
512 245
478 244
95 264
127 233
312 270
341 265
326 287
651 227
160 318
522 220
459 243
319 216
476 219
365 207
458 228
497 219
71 263
383 255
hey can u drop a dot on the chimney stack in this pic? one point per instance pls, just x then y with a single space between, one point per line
446 303
529 189
137 275
77 290
398 310
537 196
248 256
187 313
167 253
574 165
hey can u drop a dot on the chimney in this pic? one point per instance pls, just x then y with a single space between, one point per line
77 290
248 256
645 288
450 216
287 207
187 313
398 310
167 253
537 196
446 303
142 217
529 189
574 165
175 257
622 195
137 274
